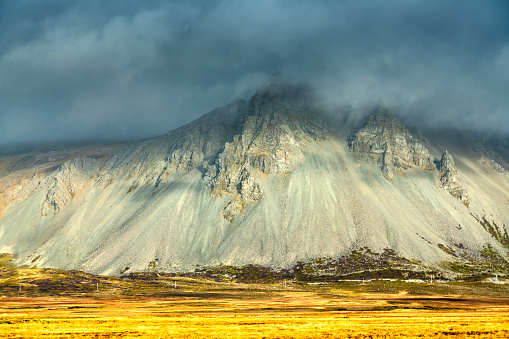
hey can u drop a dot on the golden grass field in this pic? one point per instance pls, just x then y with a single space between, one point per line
161 319
62 304
256 311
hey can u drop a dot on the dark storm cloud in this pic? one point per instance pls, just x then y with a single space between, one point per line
129 69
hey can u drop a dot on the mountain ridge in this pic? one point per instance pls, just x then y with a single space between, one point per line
270 181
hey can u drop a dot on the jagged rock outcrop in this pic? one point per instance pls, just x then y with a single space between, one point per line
450 179
67 181
495 165
190 145
46 166
280 120
232 173
383 141
19 192
60 186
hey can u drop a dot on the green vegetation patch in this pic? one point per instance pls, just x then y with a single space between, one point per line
447 250
500 235
362 263
475 268
244 274
6 261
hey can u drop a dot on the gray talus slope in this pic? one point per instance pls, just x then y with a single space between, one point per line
328 206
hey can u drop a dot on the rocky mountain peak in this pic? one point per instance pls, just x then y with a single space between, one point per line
280 98
384 142
233 145
382 117
279 122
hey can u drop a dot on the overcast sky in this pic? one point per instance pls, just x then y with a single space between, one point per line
129 69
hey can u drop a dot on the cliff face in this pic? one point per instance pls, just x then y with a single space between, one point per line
278 124
269 181
450 180
383 141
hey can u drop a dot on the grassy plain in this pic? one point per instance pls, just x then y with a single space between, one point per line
54 303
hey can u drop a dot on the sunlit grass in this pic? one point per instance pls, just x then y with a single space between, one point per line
42 303
115 321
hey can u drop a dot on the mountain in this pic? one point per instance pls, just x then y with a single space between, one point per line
272 181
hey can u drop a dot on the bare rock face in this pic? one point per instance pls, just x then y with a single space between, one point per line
450 180
231 173
495 165
191 144
67 181
279 121
383 141
60 187
19 192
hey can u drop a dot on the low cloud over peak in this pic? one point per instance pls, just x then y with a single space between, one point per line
131 69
